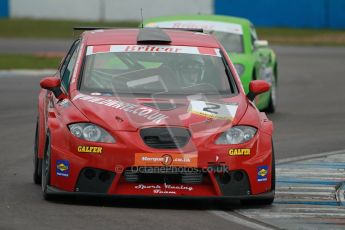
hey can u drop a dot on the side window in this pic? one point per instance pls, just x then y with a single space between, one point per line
68 65
253 34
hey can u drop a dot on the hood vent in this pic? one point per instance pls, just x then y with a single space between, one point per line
152 36
163 106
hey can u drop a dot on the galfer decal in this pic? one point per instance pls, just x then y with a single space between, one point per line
90 149
262 173
62 168
200 24
138 110
213 110
164 189
153 49
239 152
166 159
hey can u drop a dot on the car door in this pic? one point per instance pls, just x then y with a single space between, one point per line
54 105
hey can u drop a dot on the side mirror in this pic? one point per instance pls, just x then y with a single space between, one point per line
257 87
260 44
52 84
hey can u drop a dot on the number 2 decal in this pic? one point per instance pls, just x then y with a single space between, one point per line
211 107
212 110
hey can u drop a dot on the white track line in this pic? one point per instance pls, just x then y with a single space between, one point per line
241 221
292 159
295 215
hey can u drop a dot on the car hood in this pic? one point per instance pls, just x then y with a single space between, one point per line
130 113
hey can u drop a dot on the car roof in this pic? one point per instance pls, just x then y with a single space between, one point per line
129 37
203 17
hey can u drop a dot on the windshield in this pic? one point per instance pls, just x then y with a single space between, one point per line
148 69
229 34
232 43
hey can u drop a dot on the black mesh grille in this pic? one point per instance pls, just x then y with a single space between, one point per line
164 175
165 138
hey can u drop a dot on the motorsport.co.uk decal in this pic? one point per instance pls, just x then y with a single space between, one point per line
164 189
62 168
141 111
262 173
213 110
239 152
90 149
153 49
200 24
166 159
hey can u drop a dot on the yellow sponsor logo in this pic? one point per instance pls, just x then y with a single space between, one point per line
62 167
262 172
90 149
239 152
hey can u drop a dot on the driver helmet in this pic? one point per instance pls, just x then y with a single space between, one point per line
192 71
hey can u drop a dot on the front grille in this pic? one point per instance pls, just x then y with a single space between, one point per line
165 138
164 175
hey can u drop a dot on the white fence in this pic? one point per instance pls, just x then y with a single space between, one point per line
108 10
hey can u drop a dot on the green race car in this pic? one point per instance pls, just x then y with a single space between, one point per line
252 58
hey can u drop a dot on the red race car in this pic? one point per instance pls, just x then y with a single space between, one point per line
152 112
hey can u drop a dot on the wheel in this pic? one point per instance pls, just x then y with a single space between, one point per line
271 108
46 170
266 201
37 162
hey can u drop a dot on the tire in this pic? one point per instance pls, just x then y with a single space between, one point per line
37 162
46 163
266 201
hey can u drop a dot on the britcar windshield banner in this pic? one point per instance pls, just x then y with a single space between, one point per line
153 49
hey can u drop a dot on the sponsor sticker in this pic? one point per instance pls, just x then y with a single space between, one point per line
166 159
262 173
239 152
164 189
213 110
200 24
90 149
62 168
141 111
153 49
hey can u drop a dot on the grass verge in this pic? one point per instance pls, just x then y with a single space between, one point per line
287 36
19 61
30 28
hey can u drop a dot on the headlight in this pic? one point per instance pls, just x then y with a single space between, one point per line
236 135
90 132
239 68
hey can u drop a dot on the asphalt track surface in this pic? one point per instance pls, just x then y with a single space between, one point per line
310 119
